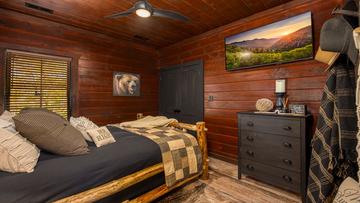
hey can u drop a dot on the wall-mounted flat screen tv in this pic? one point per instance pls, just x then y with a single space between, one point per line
285 41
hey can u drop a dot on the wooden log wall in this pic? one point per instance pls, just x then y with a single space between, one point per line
95 56
238 90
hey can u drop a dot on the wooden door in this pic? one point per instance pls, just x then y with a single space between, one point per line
182 92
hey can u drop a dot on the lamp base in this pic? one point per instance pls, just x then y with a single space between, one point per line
280 100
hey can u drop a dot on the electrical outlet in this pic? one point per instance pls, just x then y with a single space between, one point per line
211 98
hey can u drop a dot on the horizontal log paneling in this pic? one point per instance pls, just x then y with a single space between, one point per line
295 95
98 56
238 90
300 69
219 148
221 129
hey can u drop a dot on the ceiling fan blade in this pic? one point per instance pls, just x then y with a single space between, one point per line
169 14
121 14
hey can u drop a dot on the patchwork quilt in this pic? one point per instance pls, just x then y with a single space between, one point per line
180 152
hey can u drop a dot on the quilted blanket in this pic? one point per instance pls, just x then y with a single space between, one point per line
180 152
148 122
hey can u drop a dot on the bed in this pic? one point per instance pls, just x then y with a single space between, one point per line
133 175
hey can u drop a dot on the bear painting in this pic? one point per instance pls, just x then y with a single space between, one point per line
126 84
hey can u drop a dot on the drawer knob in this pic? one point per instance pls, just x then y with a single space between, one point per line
250 123
288 128
249 138
287 178
250 153
287 145
287 161
250 167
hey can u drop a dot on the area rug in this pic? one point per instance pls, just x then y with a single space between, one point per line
220 188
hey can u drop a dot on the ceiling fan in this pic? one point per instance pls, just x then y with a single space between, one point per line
144 9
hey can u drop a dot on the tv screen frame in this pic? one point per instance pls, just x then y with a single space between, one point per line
256 35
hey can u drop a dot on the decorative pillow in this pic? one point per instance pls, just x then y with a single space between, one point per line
7 122
101 136
24 110
349 191
49 131
83 124
7 116
16 153
7 126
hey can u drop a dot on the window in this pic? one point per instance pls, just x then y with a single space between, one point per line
35 80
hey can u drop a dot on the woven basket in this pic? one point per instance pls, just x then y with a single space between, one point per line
264 105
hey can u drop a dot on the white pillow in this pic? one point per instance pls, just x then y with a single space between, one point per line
83 124
7 126
7 122
16 153
101 136
7 116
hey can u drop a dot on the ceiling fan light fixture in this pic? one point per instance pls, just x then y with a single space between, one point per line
144 9
144 13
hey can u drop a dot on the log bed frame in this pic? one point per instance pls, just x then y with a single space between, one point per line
123 183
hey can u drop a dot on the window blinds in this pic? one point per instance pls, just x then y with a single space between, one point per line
37 81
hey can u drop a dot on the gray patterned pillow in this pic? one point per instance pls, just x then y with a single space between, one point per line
50 132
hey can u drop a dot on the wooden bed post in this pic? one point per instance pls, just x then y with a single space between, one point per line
201 136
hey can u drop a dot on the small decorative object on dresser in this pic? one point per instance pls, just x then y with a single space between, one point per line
297 109
264 105
280 92
273 148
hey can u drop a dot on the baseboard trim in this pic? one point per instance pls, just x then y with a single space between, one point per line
223 158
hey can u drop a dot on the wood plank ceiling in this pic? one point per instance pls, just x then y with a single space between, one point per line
159 32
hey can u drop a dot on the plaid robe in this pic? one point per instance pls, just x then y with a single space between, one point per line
333 156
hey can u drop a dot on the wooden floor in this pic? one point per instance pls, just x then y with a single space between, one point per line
223 186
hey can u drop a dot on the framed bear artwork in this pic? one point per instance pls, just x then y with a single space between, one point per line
126 84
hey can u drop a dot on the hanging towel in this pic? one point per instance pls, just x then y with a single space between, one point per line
333 155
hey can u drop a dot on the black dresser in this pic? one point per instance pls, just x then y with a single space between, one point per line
274 149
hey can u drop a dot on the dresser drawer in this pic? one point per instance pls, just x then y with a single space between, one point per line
272 157
267 124
272 175
269 142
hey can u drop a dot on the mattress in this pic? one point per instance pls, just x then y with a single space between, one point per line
56 177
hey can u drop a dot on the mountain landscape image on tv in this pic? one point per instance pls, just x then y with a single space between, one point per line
281 42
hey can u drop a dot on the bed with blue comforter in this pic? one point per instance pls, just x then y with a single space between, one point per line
56 177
